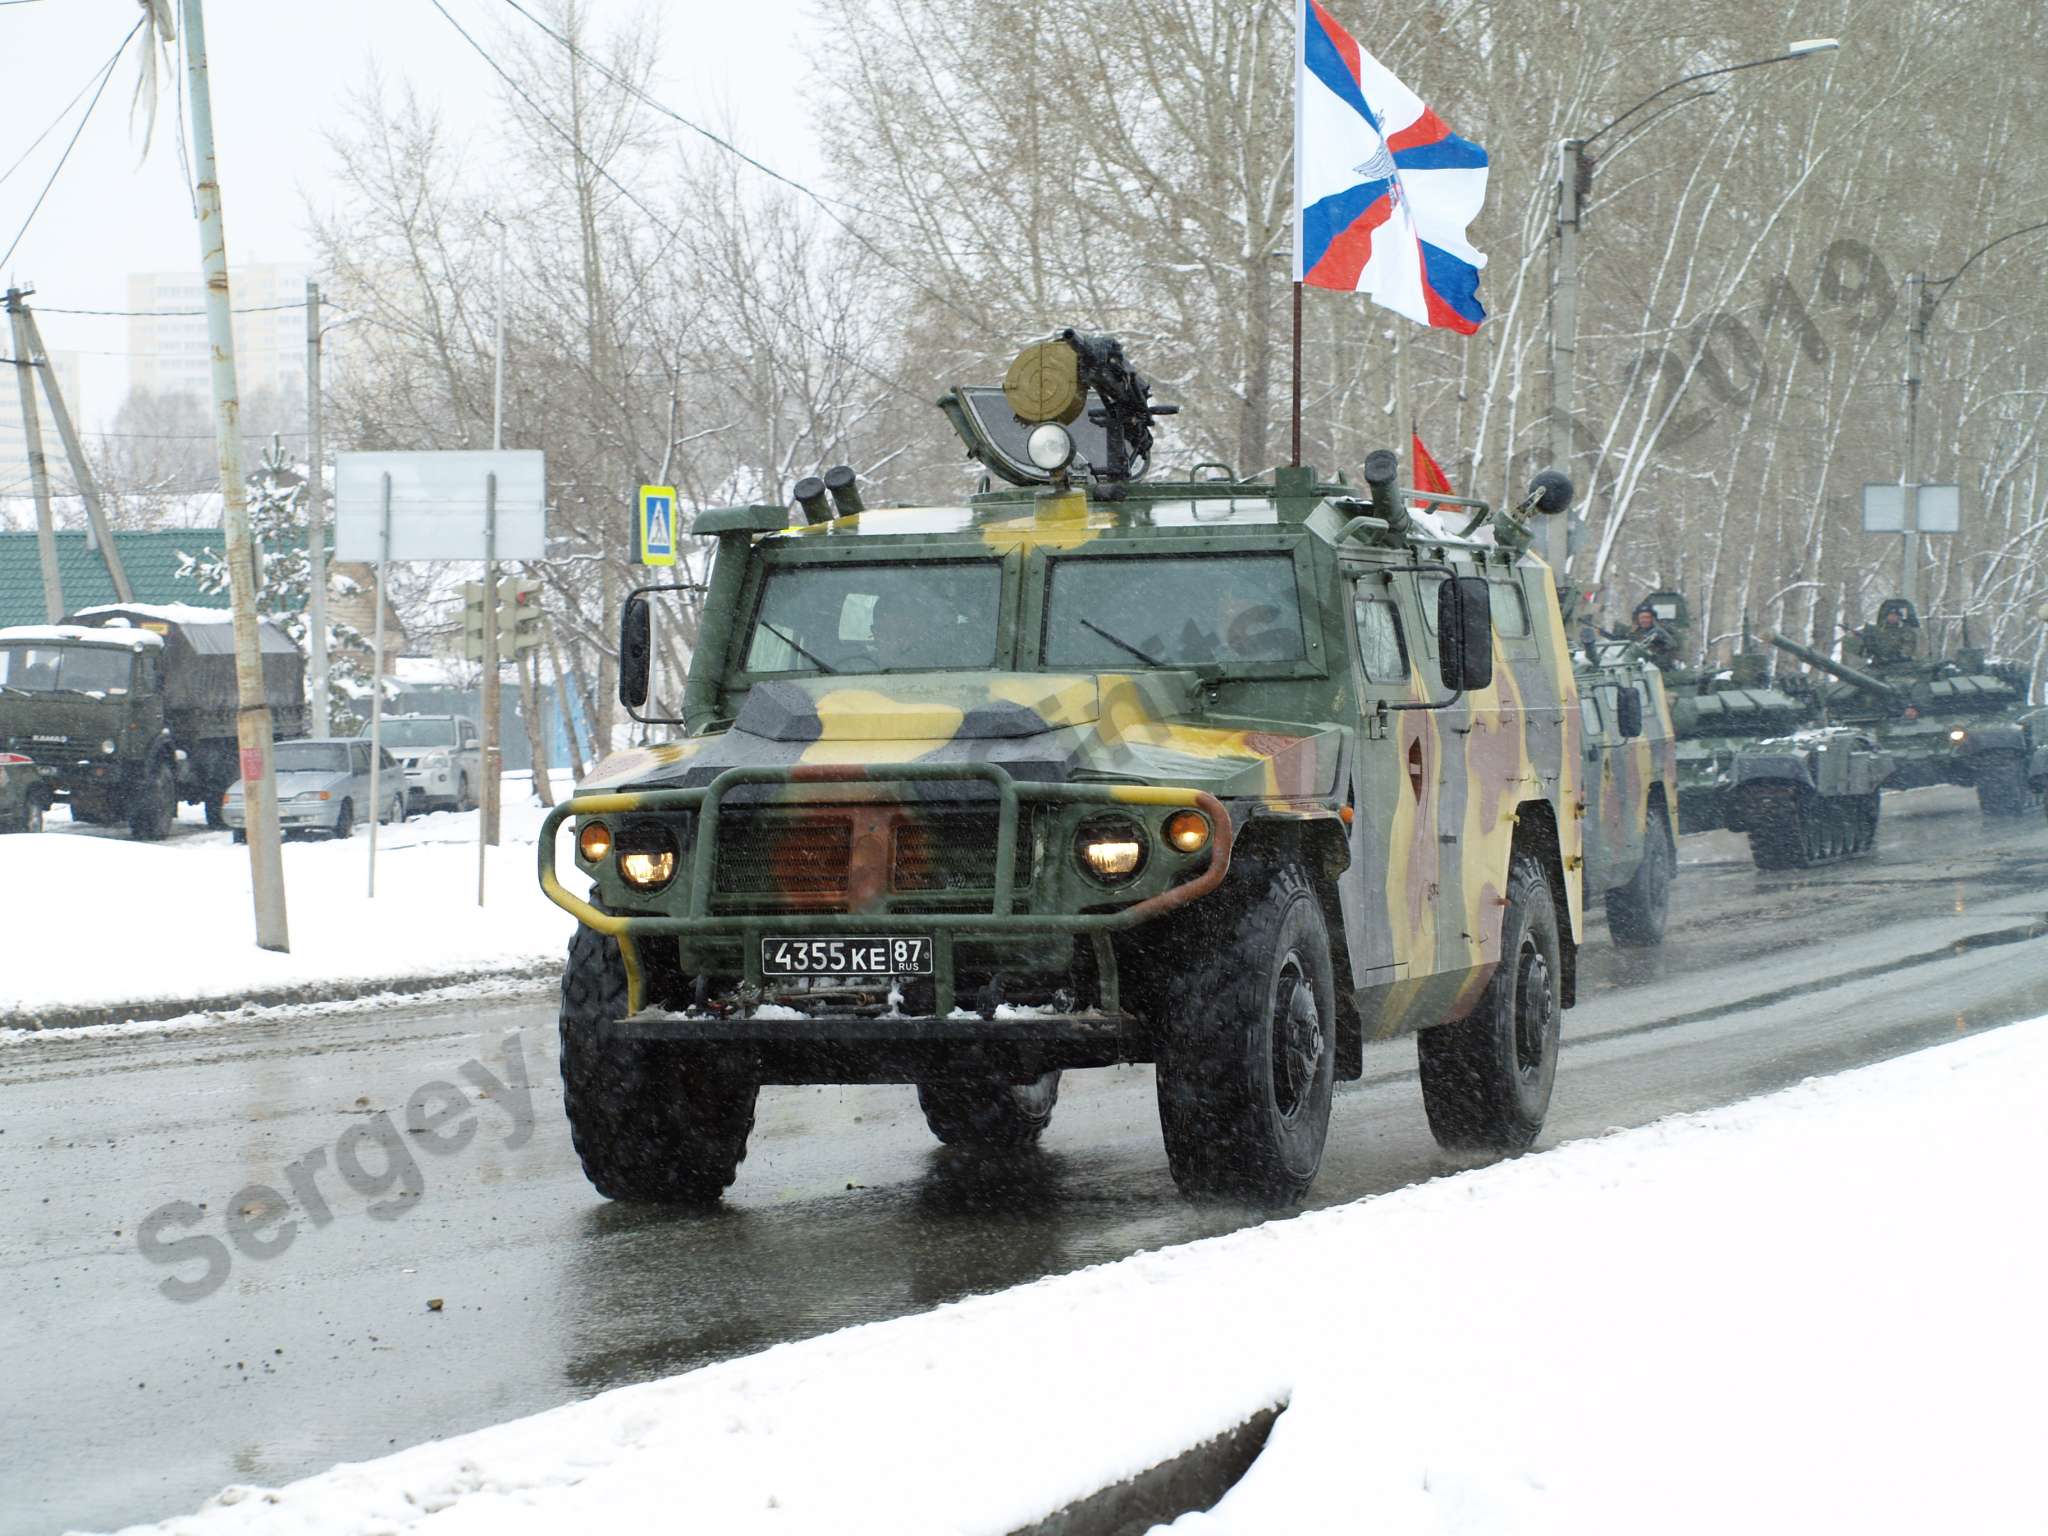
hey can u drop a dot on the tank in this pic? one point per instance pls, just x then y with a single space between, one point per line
1752 757
1961 720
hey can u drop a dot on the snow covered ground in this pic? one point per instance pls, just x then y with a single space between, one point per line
89 917
1816 1311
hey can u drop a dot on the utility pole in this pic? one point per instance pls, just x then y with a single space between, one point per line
487 817
1574 180
1919 310
252 718
38 467
81 473
316 522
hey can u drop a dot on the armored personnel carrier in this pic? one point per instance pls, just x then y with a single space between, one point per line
1962 721
1230 776
1631 790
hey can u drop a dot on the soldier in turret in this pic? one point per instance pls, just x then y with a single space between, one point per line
1655 640
1895 636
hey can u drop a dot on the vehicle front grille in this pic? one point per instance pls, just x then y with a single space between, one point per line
783 853
950 851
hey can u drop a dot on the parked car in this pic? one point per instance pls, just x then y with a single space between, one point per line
443 759
24 797
323 785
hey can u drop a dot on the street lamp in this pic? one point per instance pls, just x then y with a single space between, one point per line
1924 293
1575 168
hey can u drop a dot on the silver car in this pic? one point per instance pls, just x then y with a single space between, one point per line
323 785
442 756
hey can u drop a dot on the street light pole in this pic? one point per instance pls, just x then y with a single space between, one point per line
1922 298
1575 166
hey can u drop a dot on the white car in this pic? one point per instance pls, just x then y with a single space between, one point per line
323 785
441 756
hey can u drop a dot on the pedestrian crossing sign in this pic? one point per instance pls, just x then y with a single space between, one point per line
656 525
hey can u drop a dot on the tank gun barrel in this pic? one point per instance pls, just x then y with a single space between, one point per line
1842 670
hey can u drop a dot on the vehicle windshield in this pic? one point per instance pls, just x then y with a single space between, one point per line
1172 611
94 669
311 757
907 616
418 733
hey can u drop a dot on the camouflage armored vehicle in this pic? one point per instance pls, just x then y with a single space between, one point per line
1963 721
131 709
1230 776
1631 790
1749 759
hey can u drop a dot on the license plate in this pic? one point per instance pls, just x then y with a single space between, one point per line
846 957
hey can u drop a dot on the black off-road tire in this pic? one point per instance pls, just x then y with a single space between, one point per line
1486 1080
2002 787
1248 1045
1636 912
651 1121
989 1114
154 806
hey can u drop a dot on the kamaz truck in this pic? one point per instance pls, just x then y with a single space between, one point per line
1229 776
129 710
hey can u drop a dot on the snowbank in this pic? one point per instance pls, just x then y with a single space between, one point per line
91 919
1815 1311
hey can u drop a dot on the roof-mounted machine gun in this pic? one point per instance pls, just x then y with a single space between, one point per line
1048 388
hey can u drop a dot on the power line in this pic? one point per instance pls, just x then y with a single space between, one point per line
823 201
74 101
675 235
161 314
63 159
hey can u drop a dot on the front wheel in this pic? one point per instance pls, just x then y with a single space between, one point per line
989 1114
464 801
1636 912
1486 1080
650 1120
1248 1049
345 821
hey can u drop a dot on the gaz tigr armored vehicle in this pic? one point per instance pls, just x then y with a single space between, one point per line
1631 790
1962 721
131 709
1749 758
1229 776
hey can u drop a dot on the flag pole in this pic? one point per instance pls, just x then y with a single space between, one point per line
1297 376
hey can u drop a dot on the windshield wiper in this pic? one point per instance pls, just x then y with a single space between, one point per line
1124 645
790 641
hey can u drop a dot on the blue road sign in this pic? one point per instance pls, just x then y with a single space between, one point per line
656 525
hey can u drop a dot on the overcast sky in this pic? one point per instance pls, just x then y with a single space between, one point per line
282 70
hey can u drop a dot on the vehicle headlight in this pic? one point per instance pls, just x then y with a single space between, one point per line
1187 831
1050 446
314 794
110 747
647 855
1958 734
594 842
1111 848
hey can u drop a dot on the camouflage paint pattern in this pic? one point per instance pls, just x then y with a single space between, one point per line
1625 777
1408 816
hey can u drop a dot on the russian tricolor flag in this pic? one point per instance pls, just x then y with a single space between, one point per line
1383 189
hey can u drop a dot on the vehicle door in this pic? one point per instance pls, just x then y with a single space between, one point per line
1599 743
359 780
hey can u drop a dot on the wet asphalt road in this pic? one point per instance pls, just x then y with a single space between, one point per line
121 1405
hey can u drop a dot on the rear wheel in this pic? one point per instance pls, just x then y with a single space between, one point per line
1486 1080
989 1114
1636 912
155 805
2002 788
651 1121
1248 1049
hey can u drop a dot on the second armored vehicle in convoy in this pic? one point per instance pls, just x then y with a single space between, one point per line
131 709
1750 759
1232 776
1631 790
1961 721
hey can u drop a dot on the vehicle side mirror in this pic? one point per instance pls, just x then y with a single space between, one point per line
636 651
1628 713
1464 633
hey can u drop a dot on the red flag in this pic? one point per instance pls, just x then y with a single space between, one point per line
1428 475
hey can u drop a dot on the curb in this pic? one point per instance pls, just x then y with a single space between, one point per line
156 1010
1196 1479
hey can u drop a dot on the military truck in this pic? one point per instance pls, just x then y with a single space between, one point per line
1632 794
1749 757
131 709
1230 776
1961 721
